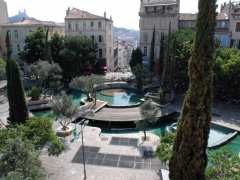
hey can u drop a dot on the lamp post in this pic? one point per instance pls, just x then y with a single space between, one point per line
83 123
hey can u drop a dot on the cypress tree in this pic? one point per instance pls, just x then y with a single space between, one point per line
152 52
161 54
189 158
18 112
8 45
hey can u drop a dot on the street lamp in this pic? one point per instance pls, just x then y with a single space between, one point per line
83 123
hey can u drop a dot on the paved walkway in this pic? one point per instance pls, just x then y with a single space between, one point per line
64 168
125 114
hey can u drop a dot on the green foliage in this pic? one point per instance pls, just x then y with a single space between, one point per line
64 108
227 74
20 160
148 112
35 46
35 93
36 130
136 65
136 58
79 54
184 44
47 74
56 45
152 52
18 112
164 150
223 165
87 84
2 69
139 74
8 45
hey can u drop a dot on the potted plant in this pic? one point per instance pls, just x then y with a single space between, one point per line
65 110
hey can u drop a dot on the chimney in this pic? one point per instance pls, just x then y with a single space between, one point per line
111 18
105 14
68 11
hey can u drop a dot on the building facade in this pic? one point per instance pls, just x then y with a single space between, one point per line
158 14
18 32
3 20
97 28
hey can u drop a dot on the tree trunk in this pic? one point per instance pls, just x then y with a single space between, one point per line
145 135
189 158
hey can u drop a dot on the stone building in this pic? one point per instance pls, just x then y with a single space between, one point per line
234 23
159 14
97 28
3 20
18 32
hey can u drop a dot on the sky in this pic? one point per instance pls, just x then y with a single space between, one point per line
123 12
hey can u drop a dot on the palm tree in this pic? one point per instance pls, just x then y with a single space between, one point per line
148 112
189 158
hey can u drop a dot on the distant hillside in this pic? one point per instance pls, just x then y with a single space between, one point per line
19 17
126 34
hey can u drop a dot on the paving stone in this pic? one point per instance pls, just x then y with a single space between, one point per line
126 164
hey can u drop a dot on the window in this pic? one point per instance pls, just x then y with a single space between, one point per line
93 38
69 26
99 38
145 51
76 26
238 27
16 34
145 37
100 53
92 24
18 47
84 26
99 25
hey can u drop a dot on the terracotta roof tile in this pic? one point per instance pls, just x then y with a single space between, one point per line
80 14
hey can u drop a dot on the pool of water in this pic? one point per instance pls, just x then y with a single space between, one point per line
121 99
216 134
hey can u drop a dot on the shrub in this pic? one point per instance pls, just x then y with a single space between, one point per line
39 132
223 165
35 93
20 160
164 150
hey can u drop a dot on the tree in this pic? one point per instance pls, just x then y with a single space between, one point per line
152 53
136 58
56 45
139 73
78 56
8 45
148 112
189 158
47 74
35 46
87 84
64 108
227 74
184 44
18 111
2 69
19 159
161 54
136 65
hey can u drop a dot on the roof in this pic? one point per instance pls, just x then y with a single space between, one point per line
187 17
32 22
80 14
193 17
158 2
